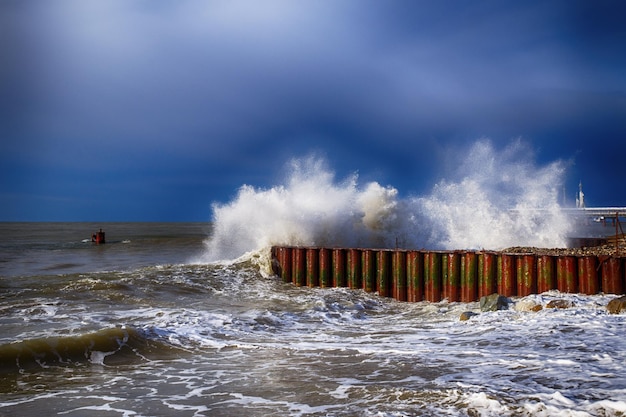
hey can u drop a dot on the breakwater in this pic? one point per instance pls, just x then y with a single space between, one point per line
465 276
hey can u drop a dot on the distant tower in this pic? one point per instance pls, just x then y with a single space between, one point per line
580 199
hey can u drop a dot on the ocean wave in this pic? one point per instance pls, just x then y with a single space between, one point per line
107 347
489 201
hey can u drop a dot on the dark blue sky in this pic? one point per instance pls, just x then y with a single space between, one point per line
152 110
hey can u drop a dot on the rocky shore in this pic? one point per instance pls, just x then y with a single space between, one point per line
603 250
495 302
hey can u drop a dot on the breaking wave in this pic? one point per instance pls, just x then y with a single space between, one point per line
105 347
494 199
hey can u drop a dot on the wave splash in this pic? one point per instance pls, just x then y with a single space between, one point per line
497 199
113 346
489 202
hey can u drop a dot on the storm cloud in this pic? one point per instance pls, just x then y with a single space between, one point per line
151 110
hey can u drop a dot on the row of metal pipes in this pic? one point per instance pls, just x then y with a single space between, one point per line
465 276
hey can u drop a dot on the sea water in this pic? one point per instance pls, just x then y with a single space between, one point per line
179 319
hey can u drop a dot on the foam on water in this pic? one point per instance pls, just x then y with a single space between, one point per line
489 201
221 339
500 363
554 362
263 347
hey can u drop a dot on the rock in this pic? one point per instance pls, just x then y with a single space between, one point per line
617 305
601 250
559 304
466 315
527 304
493 302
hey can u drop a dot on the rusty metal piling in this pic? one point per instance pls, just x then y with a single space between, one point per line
434 276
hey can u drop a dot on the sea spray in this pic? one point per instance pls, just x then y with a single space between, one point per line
312 208
494 199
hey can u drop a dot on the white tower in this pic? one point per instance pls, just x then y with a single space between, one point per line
580 199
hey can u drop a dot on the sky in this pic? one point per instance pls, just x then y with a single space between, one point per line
126 110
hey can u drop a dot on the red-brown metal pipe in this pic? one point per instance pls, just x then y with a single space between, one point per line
383 273
354 268
339 268
299 266
325 274
546 273
612 271
526 275
566 274
398 279
588 276
415 276
507 284
283 256
487 273
368 269
432 276
469 283
451 276
312 267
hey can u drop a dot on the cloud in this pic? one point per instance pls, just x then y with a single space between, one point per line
233 86
145 68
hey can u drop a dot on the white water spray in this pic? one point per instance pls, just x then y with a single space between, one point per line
497 200
491 202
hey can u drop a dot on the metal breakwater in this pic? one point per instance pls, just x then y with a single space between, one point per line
465 276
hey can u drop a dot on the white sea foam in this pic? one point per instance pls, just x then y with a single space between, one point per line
490 201
97 357
244 345
263 345
552 362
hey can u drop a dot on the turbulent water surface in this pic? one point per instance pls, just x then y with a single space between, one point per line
187 320
139 327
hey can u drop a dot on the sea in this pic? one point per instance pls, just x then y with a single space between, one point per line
187 319
146 325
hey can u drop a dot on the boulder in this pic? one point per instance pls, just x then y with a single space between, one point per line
466 315
559 303
527 304
493 302
617 305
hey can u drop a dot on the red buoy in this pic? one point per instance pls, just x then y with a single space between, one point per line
98 237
